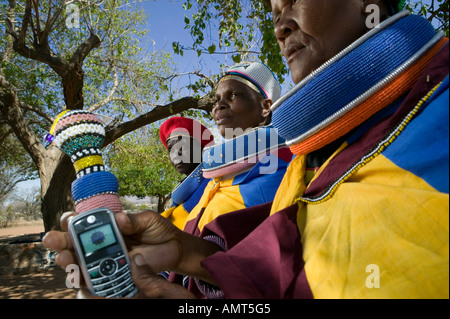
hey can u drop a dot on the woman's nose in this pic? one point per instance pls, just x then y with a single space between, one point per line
220 105
284 26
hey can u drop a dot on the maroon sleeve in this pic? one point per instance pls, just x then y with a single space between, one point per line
266 263
235 226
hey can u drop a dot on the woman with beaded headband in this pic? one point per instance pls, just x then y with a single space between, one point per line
239 178
370 107
369 116
244 95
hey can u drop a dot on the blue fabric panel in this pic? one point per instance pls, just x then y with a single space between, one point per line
423 147
195 197
269 172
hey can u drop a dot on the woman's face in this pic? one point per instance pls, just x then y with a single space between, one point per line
237 107
310 32
184 153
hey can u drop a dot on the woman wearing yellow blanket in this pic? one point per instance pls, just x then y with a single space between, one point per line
185 139
373 220
370 114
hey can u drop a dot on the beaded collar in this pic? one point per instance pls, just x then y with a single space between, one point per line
184 190
241 153
332 98
233 156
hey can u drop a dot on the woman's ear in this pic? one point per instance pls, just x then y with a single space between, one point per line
266 112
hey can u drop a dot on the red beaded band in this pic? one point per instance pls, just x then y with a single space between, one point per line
111 201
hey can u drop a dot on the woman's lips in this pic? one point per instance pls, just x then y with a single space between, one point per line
293 52
222 120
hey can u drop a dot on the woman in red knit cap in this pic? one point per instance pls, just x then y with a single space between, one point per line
185 139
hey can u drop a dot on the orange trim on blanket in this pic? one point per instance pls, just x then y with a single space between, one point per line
386 96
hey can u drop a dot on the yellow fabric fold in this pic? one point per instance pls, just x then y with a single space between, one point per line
220 197
378 248
177 215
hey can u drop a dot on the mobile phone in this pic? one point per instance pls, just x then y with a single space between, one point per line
102 254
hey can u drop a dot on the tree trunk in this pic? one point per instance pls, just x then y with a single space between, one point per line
162 201
160 204
56 193
72 83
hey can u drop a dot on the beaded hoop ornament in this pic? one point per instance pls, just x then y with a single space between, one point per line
331 102
80 134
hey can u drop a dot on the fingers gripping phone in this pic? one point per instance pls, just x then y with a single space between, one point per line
102 254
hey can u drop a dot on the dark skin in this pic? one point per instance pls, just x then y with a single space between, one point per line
154 244
177 145
309 33
237 106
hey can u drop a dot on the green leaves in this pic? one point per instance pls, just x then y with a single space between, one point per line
236 58
212 49
245 26
141 164
436 11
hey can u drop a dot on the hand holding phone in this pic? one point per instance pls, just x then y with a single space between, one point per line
98 244
102 254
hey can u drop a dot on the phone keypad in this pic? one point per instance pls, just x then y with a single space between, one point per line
111 277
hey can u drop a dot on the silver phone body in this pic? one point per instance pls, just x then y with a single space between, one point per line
102 254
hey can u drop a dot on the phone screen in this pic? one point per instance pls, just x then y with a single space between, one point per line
97 238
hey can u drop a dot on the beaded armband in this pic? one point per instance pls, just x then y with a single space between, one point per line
80 134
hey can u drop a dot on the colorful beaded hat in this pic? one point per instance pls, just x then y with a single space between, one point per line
80 134
258 76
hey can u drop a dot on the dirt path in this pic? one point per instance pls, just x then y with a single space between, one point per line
48 284
21 230
23 275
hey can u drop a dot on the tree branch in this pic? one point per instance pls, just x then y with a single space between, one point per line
83 50
9 107
109 98
158 113
51 20
26 19
26 106
39 54
38 20
5 135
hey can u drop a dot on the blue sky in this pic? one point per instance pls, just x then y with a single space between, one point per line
166 24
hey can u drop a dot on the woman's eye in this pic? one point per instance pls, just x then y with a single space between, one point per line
276 19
